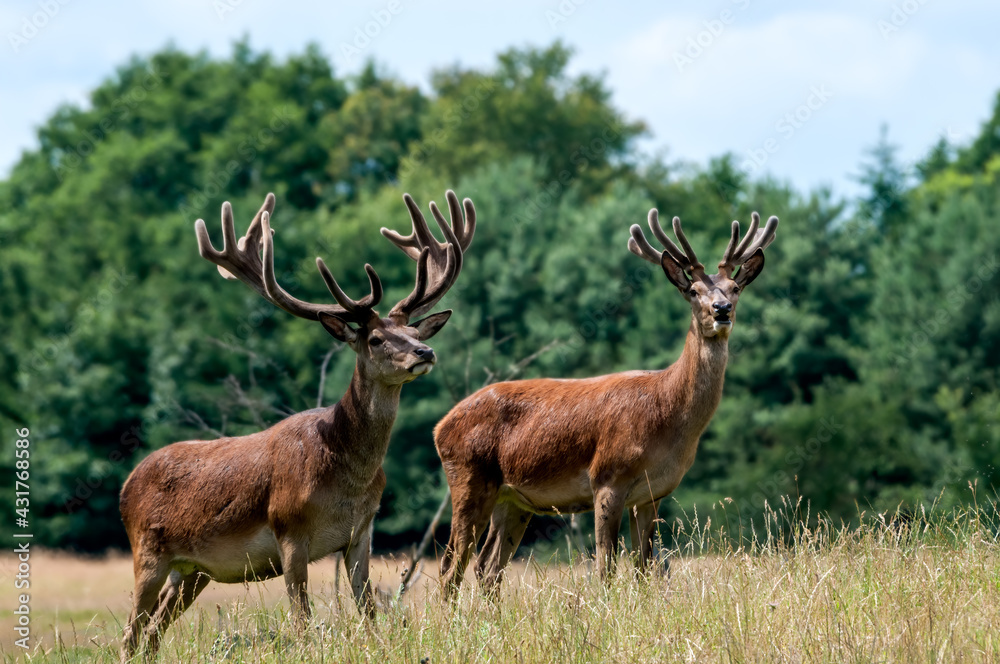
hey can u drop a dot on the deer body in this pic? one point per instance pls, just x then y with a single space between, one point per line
222 507
611 443
267 504
638 429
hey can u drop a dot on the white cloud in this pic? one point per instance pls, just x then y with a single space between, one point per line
939 71
708 86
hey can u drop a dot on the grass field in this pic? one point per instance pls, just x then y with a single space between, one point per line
920 589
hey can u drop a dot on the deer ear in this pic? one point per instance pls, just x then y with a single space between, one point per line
674 272
338 328
428 327
750 269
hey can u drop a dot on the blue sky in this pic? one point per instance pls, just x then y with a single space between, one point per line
797 90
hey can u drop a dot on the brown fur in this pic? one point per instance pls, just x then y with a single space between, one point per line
610 443
267 504
258 506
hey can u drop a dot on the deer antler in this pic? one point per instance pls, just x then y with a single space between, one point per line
242 260
738 252
438 263
639 246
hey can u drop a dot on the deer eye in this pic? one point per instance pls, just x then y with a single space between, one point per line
692 292
736 289
375 341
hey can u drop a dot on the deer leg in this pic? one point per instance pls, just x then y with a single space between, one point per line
642 523
471 506
294 551
150 573
608 505
177 595
507 527
356 561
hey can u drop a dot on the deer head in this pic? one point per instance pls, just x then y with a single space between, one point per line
713 297
391 349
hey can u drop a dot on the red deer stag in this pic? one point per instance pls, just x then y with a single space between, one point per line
622 441
266 504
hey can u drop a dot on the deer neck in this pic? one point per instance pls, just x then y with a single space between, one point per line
695 381
364 418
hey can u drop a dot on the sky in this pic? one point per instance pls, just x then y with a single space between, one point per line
798 91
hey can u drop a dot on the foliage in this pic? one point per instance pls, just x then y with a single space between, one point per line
864 367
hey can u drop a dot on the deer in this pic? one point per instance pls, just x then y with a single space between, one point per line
608 444
254 507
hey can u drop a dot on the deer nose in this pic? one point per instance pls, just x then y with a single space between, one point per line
722 307
425 354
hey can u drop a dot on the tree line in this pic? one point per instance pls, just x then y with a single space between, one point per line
863 372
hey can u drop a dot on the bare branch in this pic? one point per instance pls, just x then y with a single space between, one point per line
418 555
233 384
191 417
322 375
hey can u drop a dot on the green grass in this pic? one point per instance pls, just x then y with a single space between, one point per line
791 588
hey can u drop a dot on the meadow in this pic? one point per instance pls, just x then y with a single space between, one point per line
921 587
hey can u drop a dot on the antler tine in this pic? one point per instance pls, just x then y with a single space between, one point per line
734 239
654 225
754 239
443 261
641 247
436 289
242 260
235 261
420 237
762 239
367 303
638 245
405 306
693 265
751 232
462 227
355 311
427 292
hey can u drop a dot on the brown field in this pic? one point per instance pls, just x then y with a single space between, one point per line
85 600
919 590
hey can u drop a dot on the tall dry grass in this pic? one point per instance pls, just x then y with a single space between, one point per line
920 587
